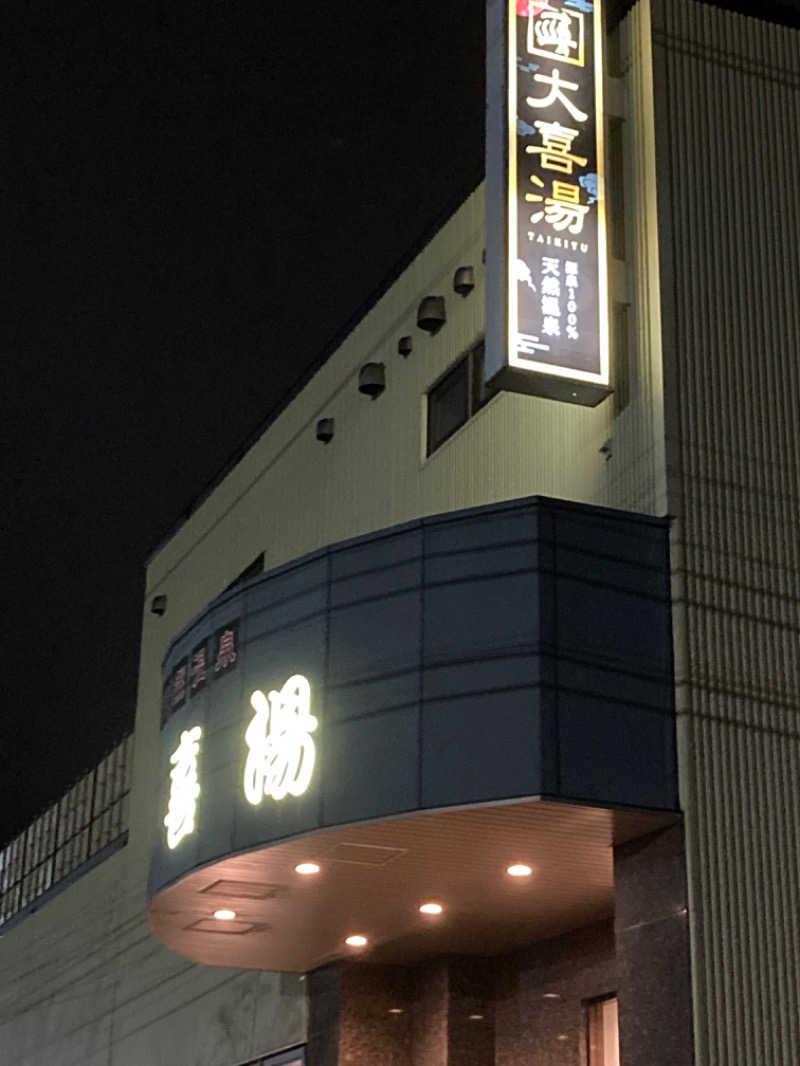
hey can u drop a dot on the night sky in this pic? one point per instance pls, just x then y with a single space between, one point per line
196 197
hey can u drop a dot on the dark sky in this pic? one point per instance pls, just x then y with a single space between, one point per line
195 197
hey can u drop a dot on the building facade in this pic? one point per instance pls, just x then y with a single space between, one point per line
466 728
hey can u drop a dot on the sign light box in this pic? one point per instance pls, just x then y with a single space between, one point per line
547 284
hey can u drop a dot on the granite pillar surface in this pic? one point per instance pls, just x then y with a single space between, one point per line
652 944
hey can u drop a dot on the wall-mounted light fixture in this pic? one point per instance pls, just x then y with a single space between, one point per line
372 379
325 430
431 315
405 346
464 281
158 605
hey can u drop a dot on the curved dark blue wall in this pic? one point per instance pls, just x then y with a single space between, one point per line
510 651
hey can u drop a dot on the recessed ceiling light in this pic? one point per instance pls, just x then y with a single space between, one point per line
306 868
563 1036
431 908
356 941
225 915
396 1010
476 1017
551 995
519 869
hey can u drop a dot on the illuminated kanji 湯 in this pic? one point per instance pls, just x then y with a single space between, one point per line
563 210
281 752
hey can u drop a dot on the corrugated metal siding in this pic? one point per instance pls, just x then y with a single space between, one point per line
728 99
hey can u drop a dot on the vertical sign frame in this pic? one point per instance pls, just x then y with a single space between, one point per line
547 328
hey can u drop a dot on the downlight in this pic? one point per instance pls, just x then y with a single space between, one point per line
519 869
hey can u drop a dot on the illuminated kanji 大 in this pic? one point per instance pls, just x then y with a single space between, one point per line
557 92
226 653
281 752
555 151
184 787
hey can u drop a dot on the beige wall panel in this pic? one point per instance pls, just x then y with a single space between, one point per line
85 983
728 102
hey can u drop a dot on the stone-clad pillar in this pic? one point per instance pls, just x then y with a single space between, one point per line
652 945
437 1013
471 1012
324 990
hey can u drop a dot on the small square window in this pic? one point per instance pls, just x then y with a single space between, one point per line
456 397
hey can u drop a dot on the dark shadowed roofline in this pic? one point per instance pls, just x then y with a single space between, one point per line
327 351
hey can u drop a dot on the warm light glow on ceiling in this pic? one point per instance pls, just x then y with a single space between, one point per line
225 915
551 995
519 869
356 941
306 868
476 1017
431 908
396 1010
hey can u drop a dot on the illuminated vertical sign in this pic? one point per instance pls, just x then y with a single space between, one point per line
547 315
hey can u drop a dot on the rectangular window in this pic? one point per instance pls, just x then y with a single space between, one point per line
616 188
456 397
602 1032
253 570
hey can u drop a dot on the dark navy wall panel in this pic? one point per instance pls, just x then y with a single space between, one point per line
504 652
479 748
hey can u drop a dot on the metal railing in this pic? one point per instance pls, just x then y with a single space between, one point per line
87 818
